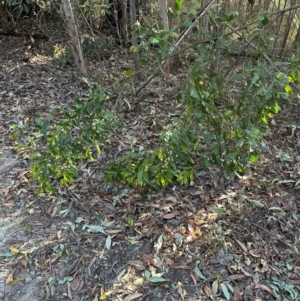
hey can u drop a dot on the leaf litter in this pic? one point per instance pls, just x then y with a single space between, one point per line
232 239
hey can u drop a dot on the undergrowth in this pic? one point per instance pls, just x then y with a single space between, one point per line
228 102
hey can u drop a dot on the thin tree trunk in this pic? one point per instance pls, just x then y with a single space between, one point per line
290 17
134 37
267 4
75 41
296 42
175 61
205 19
124 28
165 21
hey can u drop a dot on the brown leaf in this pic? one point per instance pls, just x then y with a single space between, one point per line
69 290
132 296
10 278
207 290
199 221
264 266
242 245
247 261
180 290
168 216
73 186
237 294
14 250
254 253
212 216
263 287
246 273
52 291
236 277
113 231
54 211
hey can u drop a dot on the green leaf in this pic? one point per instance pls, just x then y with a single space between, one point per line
236 77
225 291
264 20
147 274
129 73
156 279
121 274
253 158
44 129
232 15
134 49
198 272
194 93
219 210
288 90
170 14
178 5
154 41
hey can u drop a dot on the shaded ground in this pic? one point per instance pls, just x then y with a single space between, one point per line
212 240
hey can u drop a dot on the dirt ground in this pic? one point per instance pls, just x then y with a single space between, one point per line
216 239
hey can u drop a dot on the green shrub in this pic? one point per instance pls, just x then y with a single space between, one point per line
58 147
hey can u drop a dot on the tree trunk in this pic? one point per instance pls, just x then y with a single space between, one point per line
205 18
165 21
175 60
124 28
75 41
289 21
134 37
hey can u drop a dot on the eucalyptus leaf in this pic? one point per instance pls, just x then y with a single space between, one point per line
225 291
199 273
108 242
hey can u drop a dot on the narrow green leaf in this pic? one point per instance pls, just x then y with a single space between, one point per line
121 273
198 272
225 291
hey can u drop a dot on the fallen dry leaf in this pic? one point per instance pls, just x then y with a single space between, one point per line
207 290
237 294
14 250
263 287
168 216
132 296
212 216
242 246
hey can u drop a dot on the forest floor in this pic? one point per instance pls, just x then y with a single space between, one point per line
215 239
